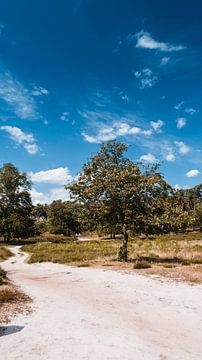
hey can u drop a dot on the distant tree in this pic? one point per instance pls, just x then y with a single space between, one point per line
15 204
40 211
62 218
119 194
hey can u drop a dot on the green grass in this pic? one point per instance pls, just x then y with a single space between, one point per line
38 239
161 249
73 251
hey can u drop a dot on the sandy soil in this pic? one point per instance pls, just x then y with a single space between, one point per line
97 314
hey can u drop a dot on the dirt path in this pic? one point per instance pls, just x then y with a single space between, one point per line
93 314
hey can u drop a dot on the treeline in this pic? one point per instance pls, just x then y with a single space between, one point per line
112 195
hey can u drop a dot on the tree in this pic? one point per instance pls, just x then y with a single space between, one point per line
119 194
62 218
40 211
15 204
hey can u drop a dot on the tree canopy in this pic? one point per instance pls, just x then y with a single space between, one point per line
120 194
15 204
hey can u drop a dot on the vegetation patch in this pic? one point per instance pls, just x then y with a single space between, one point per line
73 252
11 295
5 253
141 264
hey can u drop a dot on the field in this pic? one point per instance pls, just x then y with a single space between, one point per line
176 256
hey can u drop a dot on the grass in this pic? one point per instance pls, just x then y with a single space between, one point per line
12 300
10 295
38 239
73 251
162 255
5 253
141 264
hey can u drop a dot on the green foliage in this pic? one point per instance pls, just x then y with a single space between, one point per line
15 204
62 218
120 194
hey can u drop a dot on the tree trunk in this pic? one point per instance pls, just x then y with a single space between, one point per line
123 252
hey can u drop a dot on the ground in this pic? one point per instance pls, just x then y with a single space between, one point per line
88 313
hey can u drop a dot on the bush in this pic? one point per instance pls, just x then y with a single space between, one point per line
141 264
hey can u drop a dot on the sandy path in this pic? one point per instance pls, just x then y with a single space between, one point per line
84 313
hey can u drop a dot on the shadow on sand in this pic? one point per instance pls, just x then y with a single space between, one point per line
9 330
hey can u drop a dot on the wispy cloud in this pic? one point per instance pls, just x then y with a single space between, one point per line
17 97
39 91
21 138
181 122
2 27
117 129
191 111
179 105
165 60
193 173
183 149
145 40
64 116
170 156
146 78
157 125
188 110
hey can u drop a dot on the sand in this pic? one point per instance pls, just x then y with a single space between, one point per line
86 313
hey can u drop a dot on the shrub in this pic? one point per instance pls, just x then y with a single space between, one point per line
141 264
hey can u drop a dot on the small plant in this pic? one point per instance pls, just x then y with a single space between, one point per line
8 295
141 264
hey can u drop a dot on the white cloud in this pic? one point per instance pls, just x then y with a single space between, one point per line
21 138
144 40
31 148
181 122
157 125
179 105
17 97
39 91
191 111
64 116
107 133
165 60
183 149
53 176
58 193
192 173
148 158
146 78
170 156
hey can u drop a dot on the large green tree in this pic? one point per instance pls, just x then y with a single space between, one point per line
119 194
15 204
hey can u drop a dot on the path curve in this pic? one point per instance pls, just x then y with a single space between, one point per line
97 314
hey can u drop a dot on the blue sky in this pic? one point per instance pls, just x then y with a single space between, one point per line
76 73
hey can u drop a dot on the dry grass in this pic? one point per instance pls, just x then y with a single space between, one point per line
167 255
12 300
5 253
10 294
